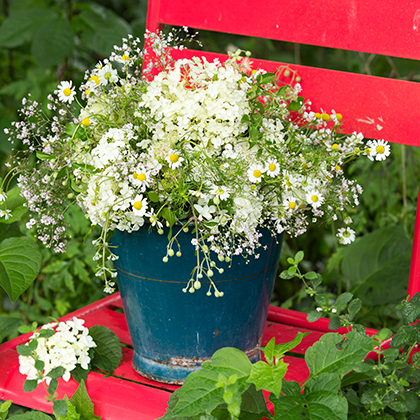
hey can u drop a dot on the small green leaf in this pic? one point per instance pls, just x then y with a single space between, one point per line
268 377
269 351
286 276
57 372
335 323
30 385
42 155
313 316
46 333
310 275
290 260
153 196
52 386
343 300
354 307
5 406
24 350
39 365
291 270
282 348
299 257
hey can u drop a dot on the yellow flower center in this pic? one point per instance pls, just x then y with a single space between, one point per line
346 234
95 79
220 191
141 177
334 146
288 183
125 57
67 92
339 117
257 173
325 117
174 158
356 150
380 149
368 152
314 198
292 205
272 167
304 165
317 115
86 122
135 175
87 92
338 168
138 205
107 75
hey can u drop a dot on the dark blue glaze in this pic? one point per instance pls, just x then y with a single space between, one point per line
173 331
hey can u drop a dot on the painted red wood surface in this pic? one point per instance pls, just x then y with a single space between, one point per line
127 395
385 27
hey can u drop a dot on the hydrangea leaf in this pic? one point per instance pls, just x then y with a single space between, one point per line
324 357
108 353
20 263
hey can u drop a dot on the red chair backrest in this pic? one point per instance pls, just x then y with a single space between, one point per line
380 108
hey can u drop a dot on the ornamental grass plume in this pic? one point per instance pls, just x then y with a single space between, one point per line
188 144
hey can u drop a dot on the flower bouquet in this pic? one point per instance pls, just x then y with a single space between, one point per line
190 144
218 150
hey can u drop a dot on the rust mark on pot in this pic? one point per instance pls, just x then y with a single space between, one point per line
215 333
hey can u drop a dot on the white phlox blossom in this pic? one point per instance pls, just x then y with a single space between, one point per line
68 347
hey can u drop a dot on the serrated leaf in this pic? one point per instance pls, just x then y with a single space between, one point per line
317 405
4 407
60 407
268 377
107 353
377 266
354 307
83 403
335 323
313 316
282 348
52 386
39 365
343 300
406 335
20 262
268 350
79 374
324 357
31 415
71 414
23 350
52 42
311 275
21 25
325 382
285 275
200 393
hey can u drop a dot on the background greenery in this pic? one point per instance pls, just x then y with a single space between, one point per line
45 41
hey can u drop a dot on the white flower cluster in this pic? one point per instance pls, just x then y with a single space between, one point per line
211 144
68 347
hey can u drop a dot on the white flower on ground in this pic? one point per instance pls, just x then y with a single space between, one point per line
346 235
139 204
66 92
272 167
174 159
107 75
204 211
314 198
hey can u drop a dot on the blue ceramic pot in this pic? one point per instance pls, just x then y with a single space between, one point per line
174 332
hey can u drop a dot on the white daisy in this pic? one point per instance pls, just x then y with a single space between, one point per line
153 219
290 203
221 192
107 75
66 91
139 204
255 173
272 167
204 211
346 235
378 149
174 159
314 198
141 178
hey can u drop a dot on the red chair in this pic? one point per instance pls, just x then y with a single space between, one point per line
380 108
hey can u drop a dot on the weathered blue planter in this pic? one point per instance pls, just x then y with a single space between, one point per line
174 332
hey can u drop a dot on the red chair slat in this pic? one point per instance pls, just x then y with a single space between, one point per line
388 29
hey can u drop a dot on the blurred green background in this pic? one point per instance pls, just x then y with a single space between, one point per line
45 41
